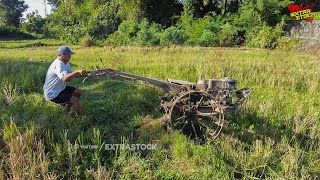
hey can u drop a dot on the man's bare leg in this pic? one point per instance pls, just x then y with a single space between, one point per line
77 93
67 107
76 105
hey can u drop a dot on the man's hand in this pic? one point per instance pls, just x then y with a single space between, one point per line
75 74
83 72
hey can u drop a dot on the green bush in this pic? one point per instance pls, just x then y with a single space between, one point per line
227 35
263 37
208 38
172 36
127 30
288 43
11 32
256 12
66 23
103 21
51 30
34 24
7 30
87 41
96 19
72 34
148 34
133 33
201 31
198 26
63 31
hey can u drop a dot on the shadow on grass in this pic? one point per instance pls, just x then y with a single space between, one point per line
32 44
118 107
248 127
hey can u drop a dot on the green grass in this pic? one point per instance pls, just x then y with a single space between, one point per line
276 136
11 44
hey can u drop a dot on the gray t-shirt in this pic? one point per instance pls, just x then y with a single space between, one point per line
54 83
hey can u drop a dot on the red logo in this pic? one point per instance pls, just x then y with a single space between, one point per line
294 8
298 12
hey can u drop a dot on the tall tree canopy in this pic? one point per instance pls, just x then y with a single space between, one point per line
200 8
34 24
163 12
11 11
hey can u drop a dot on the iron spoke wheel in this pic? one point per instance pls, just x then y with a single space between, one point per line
196 114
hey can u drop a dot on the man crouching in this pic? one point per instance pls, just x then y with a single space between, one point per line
55 88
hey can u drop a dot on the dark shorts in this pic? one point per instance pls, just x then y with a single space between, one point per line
64 96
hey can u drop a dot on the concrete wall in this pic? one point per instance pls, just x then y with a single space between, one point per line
307 31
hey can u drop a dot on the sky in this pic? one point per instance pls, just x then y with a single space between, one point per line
36 5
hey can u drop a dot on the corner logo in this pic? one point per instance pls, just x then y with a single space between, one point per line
298 12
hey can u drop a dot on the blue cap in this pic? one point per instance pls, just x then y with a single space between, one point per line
65 50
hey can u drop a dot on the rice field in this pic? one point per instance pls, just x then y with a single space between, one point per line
276 135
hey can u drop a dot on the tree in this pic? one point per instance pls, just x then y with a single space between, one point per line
12 11
54 3
257 12
131 10
200 8
103 21
34 24
163 12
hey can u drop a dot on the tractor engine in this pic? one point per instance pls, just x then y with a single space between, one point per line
221 89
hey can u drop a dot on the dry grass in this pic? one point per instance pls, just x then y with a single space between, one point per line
9 92
25 157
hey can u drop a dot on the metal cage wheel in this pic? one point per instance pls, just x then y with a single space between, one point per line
196 114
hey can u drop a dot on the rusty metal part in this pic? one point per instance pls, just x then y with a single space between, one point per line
197 114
